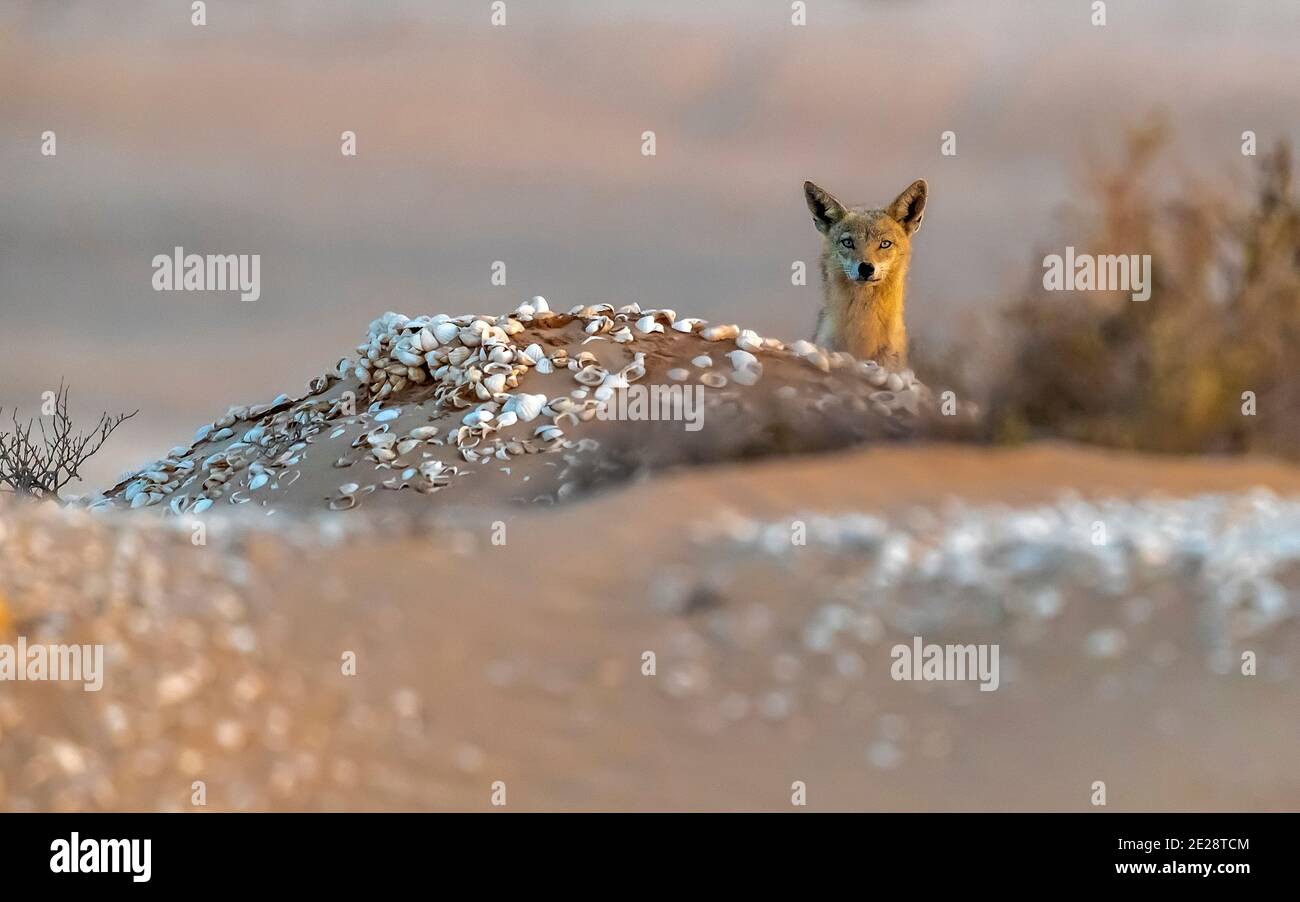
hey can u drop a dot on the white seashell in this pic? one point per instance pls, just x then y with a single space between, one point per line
420 433
202 433
349 488
432 469
545 367
495 384
540 305
678 374
534 353
346 503
258 481
222 434
623 335
749 340
384 416
590 375
407 446
746 377
894 382
742 360
201 505
527 407
719 333
648 324
446 332
687 324
509 418
813 354
704 361
713 380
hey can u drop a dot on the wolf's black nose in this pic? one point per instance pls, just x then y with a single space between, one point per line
865 271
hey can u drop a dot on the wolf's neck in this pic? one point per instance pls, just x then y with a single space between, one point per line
869 317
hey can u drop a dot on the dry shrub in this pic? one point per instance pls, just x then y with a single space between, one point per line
38 465
1167 374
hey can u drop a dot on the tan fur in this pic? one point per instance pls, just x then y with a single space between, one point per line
865 318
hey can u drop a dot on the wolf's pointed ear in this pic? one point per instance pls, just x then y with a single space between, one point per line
826 210
909 207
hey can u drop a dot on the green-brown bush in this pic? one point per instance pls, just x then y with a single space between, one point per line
1167 374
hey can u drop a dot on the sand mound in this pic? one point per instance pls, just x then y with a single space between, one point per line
531 406
524 662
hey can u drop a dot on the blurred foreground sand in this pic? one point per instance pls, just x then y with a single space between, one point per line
522 662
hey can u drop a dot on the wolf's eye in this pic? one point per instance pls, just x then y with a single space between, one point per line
886 243
846 242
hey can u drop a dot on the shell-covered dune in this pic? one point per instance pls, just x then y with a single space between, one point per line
529 406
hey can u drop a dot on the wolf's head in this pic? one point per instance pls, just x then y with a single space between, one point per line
867 245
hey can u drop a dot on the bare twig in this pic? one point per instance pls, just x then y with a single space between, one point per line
38 467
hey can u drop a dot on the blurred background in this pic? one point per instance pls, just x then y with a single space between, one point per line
523 144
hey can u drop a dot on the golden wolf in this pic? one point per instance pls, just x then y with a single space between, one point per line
865 256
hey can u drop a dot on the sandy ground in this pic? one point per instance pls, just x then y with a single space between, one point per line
522 662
